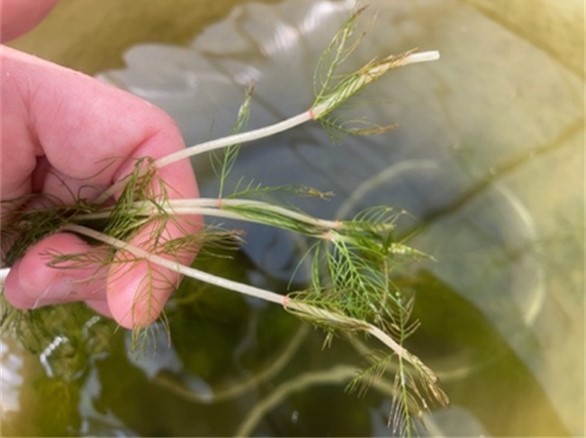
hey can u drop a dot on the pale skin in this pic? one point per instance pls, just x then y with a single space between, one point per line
67 135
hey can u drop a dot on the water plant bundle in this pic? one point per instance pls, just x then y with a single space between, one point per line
352 261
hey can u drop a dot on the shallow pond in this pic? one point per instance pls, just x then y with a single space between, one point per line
487 160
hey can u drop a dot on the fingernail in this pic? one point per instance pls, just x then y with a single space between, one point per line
57 292
66 288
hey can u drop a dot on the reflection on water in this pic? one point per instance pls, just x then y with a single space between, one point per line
486 161
10 377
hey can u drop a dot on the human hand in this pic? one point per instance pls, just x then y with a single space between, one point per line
59 128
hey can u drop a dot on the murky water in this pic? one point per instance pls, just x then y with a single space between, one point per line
488 161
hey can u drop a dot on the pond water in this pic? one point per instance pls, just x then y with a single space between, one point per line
487 160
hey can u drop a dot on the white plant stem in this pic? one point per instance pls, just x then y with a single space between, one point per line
346 320
177 267
219 143
244 137
218 208
413 58
245 289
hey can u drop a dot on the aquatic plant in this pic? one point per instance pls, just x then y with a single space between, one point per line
352 261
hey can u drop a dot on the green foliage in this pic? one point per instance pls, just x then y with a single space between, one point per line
353 276
333 88
27 226
252 190
326 75
223 161
126 217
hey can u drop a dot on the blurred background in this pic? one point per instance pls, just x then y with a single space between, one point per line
487 159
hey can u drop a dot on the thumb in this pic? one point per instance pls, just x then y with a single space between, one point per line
33 282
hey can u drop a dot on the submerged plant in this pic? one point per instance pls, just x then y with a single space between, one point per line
352 261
